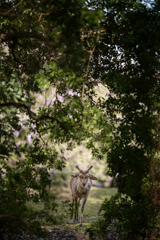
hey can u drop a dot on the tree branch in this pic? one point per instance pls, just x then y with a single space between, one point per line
36 118
7 13
36 35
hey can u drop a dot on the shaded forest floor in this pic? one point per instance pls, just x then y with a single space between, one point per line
63 227
96 197
64 222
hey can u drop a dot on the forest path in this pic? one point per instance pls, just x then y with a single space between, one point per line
95 199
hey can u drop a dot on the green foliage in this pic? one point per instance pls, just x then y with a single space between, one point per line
129 66
62 52
16 189
125 216
40 51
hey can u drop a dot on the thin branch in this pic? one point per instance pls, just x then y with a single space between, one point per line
51 58
95 82
89 61
30 113
92 33
6 62
7 13
16 60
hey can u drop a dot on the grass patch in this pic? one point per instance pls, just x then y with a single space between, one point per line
94 201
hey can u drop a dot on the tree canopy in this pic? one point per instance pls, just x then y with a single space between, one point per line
75 47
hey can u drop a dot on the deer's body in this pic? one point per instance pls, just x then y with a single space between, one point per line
80 185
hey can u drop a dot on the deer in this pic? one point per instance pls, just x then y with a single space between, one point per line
80 185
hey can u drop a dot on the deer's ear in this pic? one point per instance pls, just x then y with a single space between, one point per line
92 177
74 175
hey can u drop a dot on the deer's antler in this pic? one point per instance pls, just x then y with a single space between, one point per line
84 171
89 168
78 168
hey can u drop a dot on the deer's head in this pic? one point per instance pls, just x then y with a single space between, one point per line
84 175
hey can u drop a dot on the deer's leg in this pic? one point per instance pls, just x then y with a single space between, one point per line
72 208
82 208
75 218
77 208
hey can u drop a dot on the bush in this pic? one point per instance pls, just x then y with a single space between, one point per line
131 219
18 186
